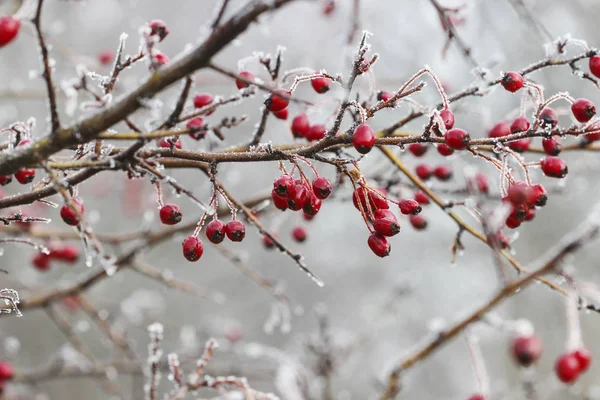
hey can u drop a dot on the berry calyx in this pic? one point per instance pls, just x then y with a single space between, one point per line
363 139
552 146
583 110
539 196
443 172
299 234
320 85
193 248
409 207
385 223
278 100
321 187
170 214
25 175
554 167
567 368
316 132
283 114
284 186
203 99
526 350
215 231
512 81
9 29
457 139
447 117
418 222
595 66
300 126
423 171
417 149
548 118
69 216
379 244
235 230
249 76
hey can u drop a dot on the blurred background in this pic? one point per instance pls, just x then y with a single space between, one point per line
376 310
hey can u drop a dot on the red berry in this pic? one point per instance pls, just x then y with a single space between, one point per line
385 223
513 222
583 110
312 205
512 81
375 201
418 222
279 202
477 397
41 261
267 242
299 234
501 129
567 368
203 99
417 149
105 57
320 85
67 253
384 96
283 114
249 76
519 193
68 215
595 66
300 126
457 139
321 187
192 248
25 175
158 28
443 172
526 350
421 197
9 28
195 127
584 357
447 117
530 214
423 171
170 214
520 124
235 230
215 231
168 143
481 182
409 207
539 196
284 186
161 58
554 167
548 118
316 132
552 146
299 198
329 7
307 217
5 180
379 244
521 145
6 371
591 137
363 139
278 100
445 150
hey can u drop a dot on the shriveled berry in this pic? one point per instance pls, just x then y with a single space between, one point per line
321 187
384 96
447 117
299 234
283 114
548 118
67 253
195 127
320 84
417 149
443 172
409 207
235 230
499 130
215 231
526 350
567 368
456 138
379 244
422 197
192 248
423 171
418 222
445 150
170 214
363 139
595 66
6 371
5 180
158 28
300 126
312 205
25 175
278 100
9 29
69 216
512 81
168 143
552 146
316 132
584 357
385 223
583 110
300 197
105 57
279 202
554 167
203 99
41 261
249 76
284 186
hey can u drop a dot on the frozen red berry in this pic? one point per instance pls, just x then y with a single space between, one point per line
499 130
67 253
409 207
457 139
25 175
445 150
300 126
5 180
105 57
312 205
192 248
158 28
418 222
512 81
284 186
423 171
384 96
567 368
301 195
268 242
320 84
6 371
385 223
447 117
554 167
321 187
316 132
195 126
595 66
443 172
235 230
379 244
363 139
520 124
279 202
417 149
283 114
9 29
170 214
421 197
584 357
203 99
160 59
278 100
548 118
299 234
583 110
169 143
526 350
215 231
248 76
41 261
552 145
539 196
69 216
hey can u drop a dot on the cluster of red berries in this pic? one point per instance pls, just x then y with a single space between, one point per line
299 194
170 143
23 175
66 253
570 365
301 128
523 200
216 230
9 29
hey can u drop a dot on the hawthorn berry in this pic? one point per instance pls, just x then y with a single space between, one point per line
421 197
409 207
105 57
320 84
9 29
447 117
41 261
512 81
279 202
418 222
590 137
268 242
160 59
554 167
548 118
158 28
215 231
595 66
69 216
5 180
520 124
526 350
583 110
203 99
477 397
584 357
513 222
312 205
552 145
501 129
316 132
519 193
321 187
363 139
457 139
284 186
283 114
307 217
25 175
278 100
445 150
385 223
170 214
530 214
567 368
67 253
235 230
195 125
300 126
6 371
249 76
539 196
423 171
192 248
375 200
443 172
384 96
379 244
299 234
417 149
168 143
299 198
521 145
